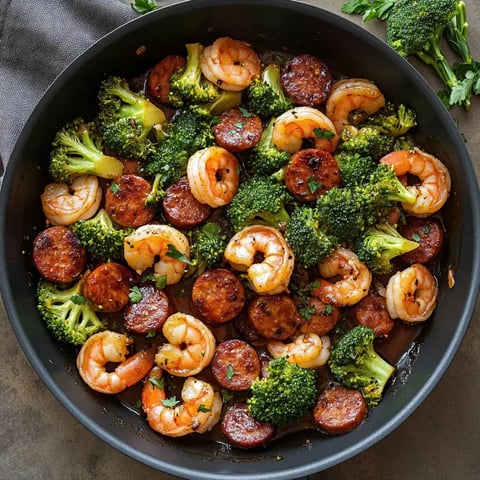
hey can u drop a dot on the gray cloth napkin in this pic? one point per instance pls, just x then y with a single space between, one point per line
38 39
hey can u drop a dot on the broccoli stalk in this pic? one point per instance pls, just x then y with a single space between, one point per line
265 95
208 242
127 119
188 85
259 200
286 394
265 158
102 239
309 241
66 313
77 150
355 363
379 244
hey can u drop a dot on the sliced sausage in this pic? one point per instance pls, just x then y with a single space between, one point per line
306 80
219 295
310 173
181 208
158 79
107 287
58 255
339 410
371 311
235 364
274 316
428 232
148 314
243 430
125 201
237 131
319 317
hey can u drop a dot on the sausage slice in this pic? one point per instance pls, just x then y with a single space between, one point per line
158 79
58 255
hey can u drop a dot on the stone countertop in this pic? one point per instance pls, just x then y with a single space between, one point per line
440 440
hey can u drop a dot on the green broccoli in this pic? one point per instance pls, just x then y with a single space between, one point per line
355 363
393 120
265 95
188 85
355 168
385 181
309 242
259 200
418 27
379 244
102 239
265 158
207 244
128 120
190 131
286 394
77 150
366 140
66 313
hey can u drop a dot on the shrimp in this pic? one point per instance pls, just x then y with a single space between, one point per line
112 347
146 243
297 124
354 282
307 350
199 412
213 176
411 294
434 188
349 95
191 346
64 205
272 274
230 64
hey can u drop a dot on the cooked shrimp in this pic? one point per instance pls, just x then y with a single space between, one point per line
297 124
149 242
191 345
412 294
64 205
199 412
112 347
354 282
230 64
272 274
213 176
350 95
307 350
434 188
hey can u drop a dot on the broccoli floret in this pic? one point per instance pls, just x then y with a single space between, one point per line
385 181
128 120
286 394
188 85
265 95
259 200
156 193
102 239
66 313
355 168
265 158
190 131
77 150
207 244
355 363
366 140
346 212
417 28
393 120
379 244
309 241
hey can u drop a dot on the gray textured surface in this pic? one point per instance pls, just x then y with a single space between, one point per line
40 440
